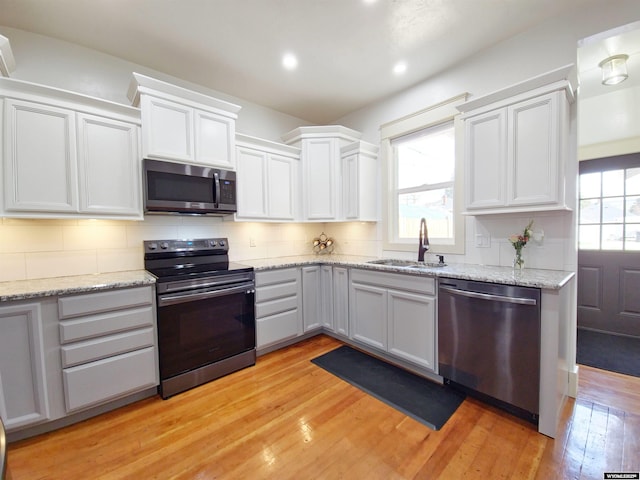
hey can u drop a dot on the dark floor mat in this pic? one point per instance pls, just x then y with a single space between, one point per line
427 402
609 352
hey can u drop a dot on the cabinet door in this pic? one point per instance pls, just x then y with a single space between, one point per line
341 300
215 139
39 158
23 389
311 298
411 326
282 186
534 151
167 129
485 154
109 167
326 297
368 315
350 187
321 191
252 176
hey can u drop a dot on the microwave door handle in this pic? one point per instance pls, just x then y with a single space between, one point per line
216 180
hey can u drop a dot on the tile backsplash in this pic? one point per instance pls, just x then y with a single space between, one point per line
54 248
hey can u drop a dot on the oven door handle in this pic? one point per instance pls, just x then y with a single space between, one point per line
176 298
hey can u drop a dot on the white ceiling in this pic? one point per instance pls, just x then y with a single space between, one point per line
346 48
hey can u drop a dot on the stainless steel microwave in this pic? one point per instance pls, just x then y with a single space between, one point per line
192 189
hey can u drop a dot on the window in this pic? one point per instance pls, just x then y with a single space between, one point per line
609 209
424 179
424 163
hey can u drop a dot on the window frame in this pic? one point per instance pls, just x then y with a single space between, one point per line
434 116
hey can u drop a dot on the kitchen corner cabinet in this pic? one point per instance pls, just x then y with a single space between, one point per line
68 156
278 306
108 345
516 147
24 398
360 181
323 175
268 177
183 125
340 280
395 314
312 307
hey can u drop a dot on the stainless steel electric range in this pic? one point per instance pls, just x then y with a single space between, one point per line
205 311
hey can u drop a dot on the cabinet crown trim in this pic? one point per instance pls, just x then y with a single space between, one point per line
247 141
323 131
143 84
558 79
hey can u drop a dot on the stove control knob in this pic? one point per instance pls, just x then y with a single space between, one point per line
164 245
153 246
213 243
221 243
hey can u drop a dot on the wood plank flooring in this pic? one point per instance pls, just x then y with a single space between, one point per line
286 418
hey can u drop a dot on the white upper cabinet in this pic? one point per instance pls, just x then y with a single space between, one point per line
109 167
68 156
183 125
360 182
516 147
330 188
268 180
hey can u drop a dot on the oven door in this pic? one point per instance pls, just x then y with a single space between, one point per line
200 327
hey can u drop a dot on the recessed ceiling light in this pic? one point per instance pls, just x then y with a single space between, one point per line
289 61
399 68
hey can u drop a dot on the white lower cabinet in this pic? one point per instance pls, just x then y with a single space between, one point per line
326 297
394 313
108 345
311 298
24 396
340 280
278 306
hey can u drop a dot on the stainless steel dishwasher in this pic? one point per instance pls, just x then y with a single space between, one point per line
489 342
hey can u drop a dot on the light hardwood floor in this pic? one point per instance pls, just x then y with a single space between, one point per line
285 418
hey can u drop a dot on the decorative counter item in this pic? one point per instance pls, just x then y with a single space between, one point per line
519 242
323 244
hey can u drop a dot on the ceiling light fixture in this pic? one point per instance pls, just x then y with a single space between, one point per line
614 69
400 68
289 61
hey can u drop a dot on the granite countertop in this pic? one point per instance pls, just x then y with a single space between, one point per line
528 277
45 287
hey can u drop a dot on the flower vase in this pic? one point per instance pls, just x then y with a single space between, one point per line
518 261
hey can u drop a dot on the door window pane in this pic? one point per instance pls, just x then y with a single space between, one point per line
613 210
590 211
633 181
632 236
612 237
590 185
613 183
589 237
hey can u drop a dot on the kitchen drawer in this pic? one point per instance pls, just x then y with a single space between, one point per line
265 309
105 324
276 328
90 303
398 281
98 382
273 292
270 277
96 349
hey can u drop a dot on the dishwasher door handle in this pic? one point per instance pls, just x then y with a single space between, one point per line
489 296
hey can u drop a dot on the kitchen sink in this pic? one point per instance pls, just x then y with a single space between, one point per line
409 264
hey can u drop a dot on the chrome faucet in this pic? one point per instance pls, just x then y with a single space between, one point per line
423 240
